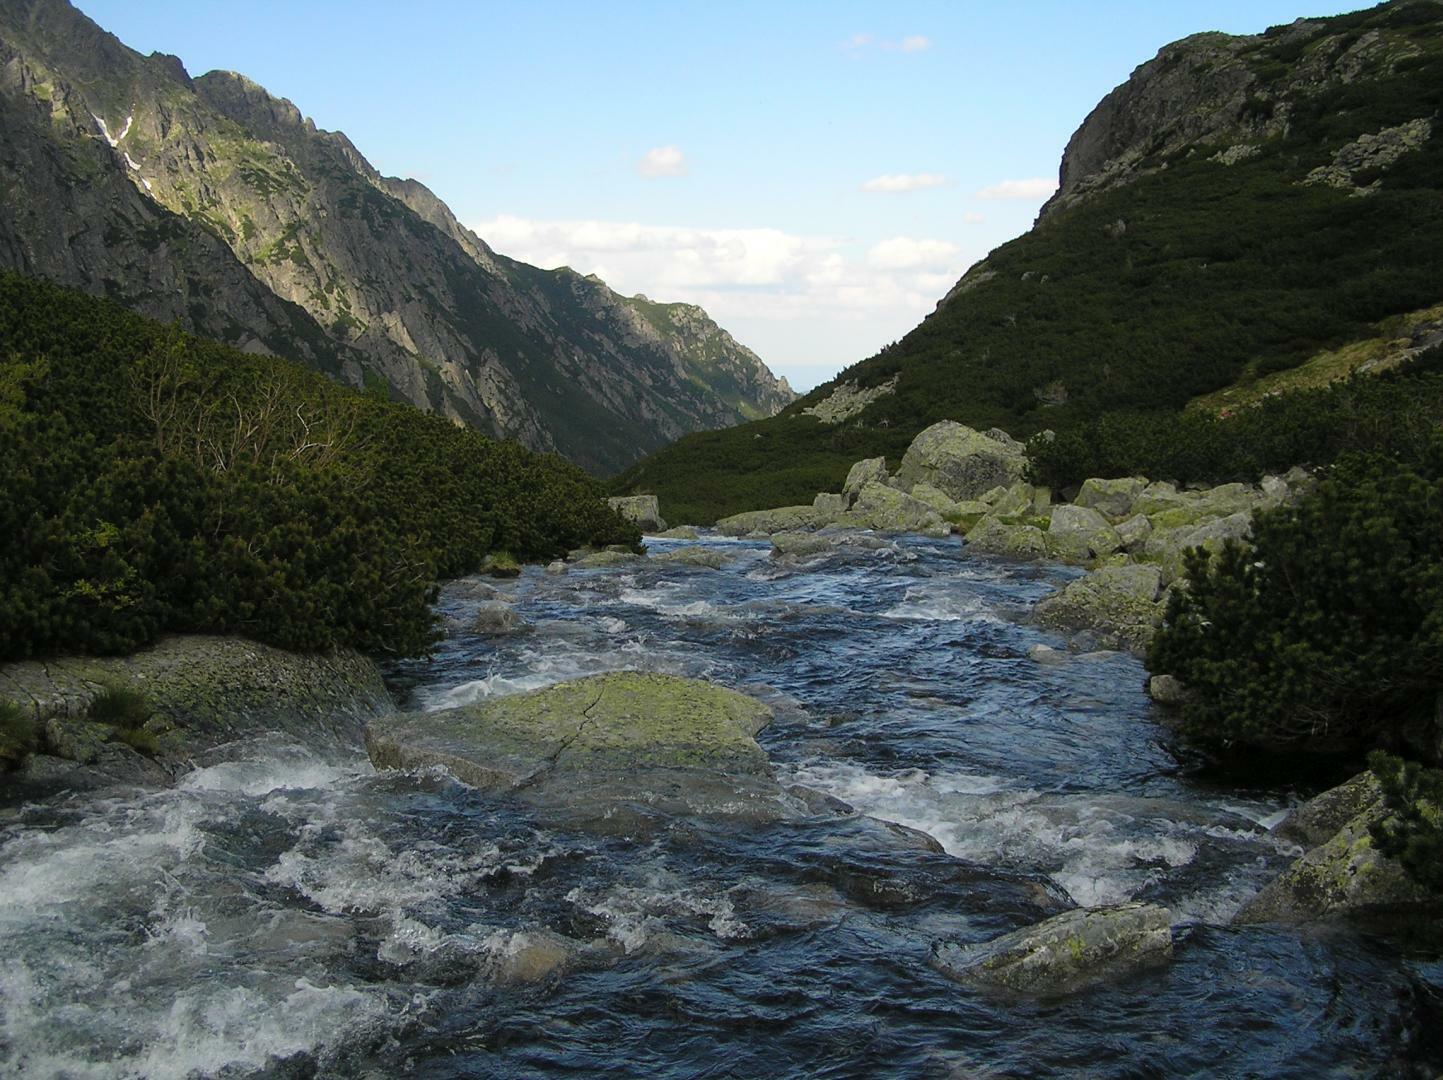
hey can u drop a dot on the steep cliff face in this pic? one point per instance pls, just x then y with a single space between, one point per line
1218 88
212 201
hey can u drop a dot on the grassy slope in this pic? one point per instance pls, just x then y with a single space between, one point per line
1222 272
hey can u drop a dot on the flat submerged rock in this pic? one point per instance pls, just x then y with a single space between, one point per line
590 745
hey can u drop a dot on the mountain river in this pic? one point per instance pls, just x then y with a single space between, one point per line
293 914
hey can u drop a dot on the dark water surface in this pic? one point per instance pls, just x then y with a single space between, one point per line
288 914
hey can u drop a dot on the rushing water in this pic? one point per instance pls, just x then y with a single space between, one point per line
288 914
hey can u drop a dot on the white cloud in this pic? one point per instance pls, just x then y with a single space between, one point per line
911 44
904 181
804 303
904 253
662 161
1035 188
972 217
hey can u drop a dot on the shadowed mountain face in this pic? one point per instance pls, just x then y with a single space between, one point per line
1237 209
212 202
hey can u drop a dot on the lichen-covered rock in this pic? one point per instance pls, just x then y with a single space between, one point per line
1167 690
1133 532
1020 500
993 537
1119 603
1157 497
959 461
936 498
1064 953
886 509
587 746
495 617
1111 498
642 510
680 532
201 691
801 544
830 503
1321 817
1079 533
778 519
708 558
1345 875
867 471
596 560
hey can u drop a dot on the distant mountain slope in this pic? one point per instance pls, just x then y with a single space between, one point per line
1237 206
214 202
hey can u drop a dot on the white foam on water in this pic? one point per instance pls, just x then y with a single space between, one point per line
925 605
1101 849
637 915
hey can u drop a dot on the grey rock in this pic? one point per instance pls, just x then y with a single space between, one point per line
830 503
867 471
1065 953
1133 532
589 748
1323 816
1111 498
496 617
707 558
993 537
886 509
641 510
680 532
1077 533
802 544
778 519
1167 690
959 461
1118 603
81 741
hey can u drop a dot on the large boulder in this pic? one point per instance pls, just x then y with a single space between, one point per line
494 618
1111 498
1019 500
1078 533
961 462
867 471
886 509
991 536
1119 603
778 519
590 747
1344 875
1064 953
800 545
642 510
830 503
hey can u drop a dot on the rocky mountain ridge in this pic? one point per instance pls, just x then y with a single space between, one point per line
212 201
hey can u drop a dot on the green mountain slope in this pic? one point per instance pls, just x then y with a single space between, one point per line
212 201
158 482
1240 204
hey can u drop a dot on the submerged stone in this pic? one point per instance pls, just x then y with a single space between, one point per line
589 746
1064 953
695 555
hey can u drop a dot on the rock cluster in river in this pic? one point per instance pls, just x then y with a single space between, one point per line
1131 532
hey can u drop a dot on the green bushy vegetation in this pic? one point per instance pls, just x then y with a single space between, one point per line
126 711
1413 833
157 482
1327 634
17 734
1220 274
1394 414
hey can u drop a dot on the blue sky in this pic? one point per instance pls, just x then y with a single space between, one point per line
816 175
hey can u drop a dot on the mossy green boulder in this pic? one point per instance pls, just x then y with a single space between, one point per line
992 536
960 461
590 746
1064 953
1119 603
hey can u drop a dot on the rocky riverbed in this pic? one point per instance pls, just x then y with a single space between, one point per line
981 855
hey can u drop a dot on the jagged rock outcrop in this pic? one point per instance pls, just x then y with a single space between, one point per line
211 201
